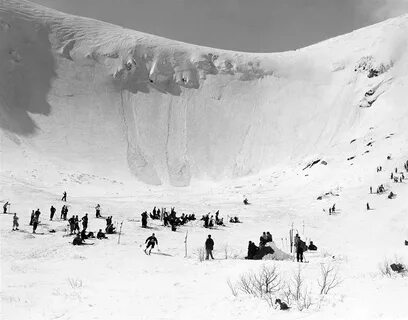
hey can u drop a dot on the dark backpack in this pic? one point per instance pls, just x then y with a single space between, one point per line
302 245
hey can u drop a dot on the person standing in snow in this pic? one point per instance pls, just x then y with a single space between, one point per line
85 221
15 222
298 243
209 247
64 196
35 222
151 242
98 211
144 219
76 220
368 206
52 212
32 217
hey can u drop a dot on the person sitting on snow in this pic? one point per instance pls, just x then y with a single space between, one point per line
311 246
77 240
101 235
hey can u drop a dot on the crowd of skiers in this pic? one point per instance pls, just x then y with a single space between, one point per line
168 218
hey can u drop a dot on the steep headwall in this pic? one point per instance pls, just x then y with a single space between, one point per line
92 95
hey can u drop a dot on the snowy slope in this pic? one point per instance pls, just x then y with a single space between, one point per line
81 91
107 113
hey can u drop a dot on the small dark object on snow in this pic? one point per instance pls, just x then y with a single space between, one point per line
246 202
397 267
282 305
312 246
406 242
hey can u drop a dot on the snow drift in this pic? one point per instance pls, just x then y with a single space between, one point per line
90 96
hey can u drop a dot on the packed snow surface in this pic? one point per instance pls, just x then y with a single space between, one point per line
131 121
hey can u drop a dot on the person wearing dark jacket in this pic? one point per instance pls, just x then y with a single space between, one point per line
71 222
52 212
64 196
101 235
98 211
312 246
144 219
35 222
300 248
85 221
151 242
209 247
32 217
252 250
77 240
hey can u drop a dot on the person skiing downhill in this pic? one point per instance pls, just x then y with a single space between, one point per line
64 196
151 242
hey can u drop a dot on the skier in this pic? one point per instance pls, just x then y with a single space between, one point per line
368 206
71 222
151 242
299 245
64 196
371 189
52 212
209 247
246 202
98 211
144 219
15 222
268 237
282 305
35 222
312 246
37 215
76 223
211 223
85 221
5 207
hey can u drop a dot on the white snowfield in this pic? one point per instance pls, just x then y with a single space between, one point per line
131 121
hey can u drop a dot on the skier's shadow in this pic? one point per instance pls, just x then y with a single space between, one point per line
151 228
162 254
